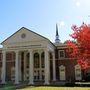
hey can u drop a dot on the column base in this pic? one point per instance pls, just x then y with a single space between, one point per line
3 82
46 83
54 80
16 83
31 83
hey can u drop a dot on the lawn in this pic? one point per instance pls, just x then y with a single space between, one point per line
7 87
10 86
54 88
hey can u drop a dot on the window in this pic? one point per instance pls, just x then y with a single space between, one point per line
61 54
77 72
62 72
36 60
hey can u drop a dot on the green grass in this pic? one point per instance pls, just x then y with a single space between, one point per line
8 86
53 88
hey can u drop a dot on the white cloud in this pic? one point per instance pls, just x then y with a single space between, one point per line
62 23
78 3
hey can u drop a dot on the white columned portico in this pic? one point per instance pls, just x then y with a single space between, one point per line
3 67
16 68
47 67
54 66
30 66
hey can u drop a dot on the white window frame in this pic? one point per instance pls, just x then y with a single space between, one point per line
62 74
78 67
63 53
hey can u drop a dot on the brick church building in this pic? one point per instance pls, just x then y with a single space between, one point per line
29 56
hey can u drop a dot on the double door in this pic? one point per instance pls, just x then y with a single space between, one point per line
39 74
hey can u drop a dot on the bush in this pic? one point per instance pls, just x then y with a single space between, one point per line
70 84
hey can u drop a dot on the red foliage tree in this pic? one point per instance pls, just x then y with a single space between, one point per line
80 47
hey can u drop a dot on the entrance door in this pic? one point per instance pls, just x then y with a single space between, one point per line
38 66
24 66
38 75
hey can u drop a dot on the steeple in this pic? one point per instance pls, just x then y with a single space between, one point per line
56 30
57 40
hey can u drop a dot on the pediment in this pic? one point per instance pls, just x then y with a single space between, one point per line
24 35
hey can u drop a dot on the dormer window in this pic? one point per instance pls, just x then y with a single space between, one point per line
61 54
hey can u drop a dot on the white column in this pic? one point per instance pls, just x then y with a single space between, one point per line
16 68
3 67
19 66
24 66
40 71
47 67
54 67
30 67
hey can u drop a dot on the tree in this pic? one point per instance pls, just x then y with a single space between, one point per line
79 48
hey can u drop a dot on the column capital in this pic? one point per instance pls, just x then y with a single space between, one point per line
3 51
30 50
46 49
53 53
16 51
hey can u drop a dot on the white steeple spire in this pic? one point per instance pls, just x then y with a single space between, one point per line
57 40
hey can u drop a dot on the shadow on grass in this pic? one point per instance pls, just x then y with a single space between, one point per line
8 86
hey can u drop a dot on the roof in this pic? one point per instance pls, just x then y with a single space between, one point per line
30 31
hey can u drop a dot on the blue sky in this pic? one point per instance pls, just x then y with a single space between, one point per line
41 16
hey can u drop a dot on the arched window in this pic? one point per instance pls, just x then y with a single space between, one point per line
36 60
42 60
13 73
62 72
77 72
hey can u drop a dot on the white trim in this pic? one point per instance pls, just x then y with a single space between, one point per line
62 72
77 72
